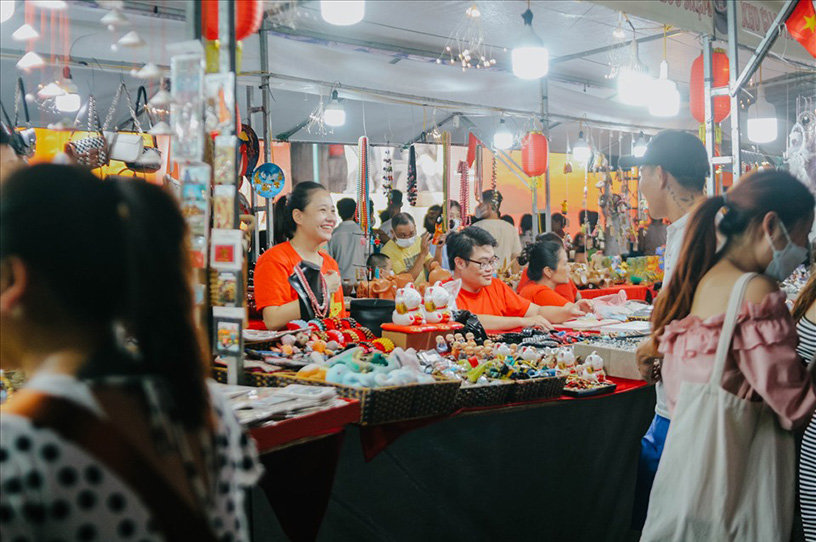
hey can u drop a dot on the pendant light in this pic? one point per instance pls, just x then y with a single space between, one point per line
634 83
114 19
619 33
70 101
30 60
639 149
665 98
51 90
6 10
581 151
503 138
342 12
335 114
763 126
531 60
26 32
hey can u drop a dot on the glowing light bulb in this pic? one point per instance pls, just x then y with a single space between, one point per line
342 12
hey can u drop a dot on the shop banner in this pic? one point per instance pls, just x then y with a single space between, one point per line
754 18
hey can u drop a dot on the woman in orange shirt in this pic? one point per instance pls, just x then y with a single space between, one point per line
295 280
548 269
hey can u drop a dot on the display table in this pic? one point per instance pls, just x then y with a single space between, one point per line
553 470
635 292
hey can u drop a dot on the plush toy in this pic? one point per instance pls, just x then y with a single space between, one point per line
408 303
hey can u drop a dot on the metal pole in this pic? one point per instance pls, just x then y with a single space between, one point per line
253 197
193 19
708 80
545 115
733 61
267 126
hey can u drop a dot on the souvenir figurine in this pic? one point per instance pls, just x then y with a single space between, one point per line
442 346
407 311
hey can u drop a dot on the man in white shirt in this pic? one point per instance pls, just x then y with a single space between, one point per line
508 246
386 230
345 245
672 179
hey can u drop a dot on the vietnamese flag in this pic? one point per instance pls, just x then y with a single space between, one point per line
802 25
473 141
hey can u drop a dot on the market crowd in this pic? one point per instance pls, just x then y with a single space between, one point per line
731 363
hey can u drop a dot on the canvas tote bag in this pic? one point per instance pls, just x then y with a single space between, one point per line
727 470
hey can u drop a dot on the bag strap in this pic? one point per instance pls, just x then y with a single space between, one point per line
119 91
19 98
727 333
141 98
175 518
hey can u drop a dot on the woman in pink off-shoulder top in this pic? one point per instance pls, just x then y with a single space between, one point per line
763 226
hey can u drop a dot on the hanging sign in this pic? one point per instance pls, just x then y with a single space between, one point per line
268 180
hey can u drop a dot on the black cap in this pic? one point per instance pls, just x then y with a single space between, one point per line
680 153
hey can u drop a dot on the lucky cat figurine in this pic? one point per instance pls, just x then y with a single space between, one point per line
437 299
408 302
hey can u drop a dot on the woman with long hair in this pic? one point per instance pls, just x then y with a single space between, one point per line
117 434
295 279
548 270
763 225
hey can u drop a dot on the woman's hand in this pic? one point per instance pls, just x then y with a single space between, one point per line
585 305
333 281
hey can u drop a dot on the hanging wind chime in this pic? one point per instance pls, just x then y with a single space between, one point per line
362 214
412 177
464 193
388 175
446 179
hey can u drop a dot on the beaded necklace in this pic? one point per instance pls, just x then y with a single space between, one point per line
320 311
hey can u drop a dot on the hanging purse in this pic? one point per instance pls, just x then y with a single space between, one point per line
90 151
150 159
27 136
123 147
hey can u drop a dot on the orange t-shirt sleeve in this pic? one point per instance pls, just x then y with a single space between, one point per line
514 304
272 272
549 298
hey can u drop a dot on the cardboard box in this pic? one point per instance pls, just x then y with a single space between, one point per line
617 362
418 337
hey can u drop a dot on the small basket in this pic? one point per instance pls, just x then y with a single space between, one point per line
483 395
537 388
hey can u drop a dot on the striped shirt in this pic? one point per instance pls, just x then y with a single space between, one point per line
807 454
807 339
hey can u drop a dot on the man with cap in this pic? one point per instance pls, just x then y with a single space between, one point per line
673 174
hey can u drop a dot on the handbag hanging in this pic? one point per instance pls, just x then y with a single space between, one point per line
150 159
90 151
727 472
121 146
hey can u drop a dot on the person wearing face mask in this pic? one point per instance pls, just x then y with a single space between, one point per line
295 279
497 306
764 223
409 253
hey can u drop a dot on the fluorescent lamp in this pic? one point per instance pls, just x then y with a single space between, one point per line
763 126
503 138
6 10
25 33
634 83
342 12
665 98
334 114
531 60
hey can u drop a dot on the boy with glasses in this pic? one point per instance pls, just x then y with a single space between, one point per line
473 260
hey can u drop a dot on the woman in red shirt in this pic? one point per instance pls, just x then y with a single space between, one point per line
548 269
283 288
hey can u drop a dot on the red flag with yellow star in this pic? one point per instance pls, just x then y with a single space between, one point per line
802 25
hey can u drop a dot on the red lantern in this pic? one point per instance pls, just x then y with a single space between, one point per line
534 154
248 16
722 104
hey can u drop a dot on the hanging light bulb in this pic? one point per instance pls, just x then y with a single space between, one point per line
531 60
763 126
664 100
342 12
503 138
51 90
25 33
30 60
640 146
49 4
634 83
114 19
70 101
6 11
335 114
618 33
581 151
132 39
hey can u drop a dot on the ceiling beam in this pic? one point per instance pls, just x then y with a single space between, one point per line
607 48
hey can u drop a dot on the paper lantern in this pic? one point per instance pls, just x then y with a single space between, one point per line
534 154
722 104
248 16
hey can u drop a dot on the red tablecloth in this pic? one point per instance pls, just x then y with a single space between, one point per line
639 293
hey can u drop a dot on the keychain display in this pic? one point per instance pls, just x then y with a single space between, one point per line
186 76
219 102
224 158
224 206
412 177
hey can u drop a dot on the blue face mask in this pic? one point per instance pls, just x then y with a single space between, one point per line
785 261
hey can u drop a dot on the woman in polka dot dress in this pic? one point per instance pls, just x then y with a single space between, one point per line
102 316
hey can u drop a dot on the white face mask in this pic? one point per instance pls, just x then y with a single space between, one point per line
405 243
785 261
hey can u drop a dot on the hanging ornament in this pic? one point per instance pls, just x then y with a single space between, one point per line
464 193
446 179
412 177
720 70
362 215
564 207
248 17
466 44
388 175
479 184
494 175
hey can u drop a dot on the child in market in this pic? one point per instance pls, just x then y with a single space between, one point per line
108 438
379 266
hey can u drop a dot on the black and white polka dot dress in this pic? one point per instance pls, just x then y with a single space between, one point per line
52 490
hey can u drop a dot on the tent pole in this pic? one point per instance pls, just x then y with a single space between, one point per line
545 116
267 126
733 61
708 83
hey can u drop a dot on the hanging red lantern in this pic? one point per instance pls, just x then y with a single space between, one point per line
534 154
722 104
248 16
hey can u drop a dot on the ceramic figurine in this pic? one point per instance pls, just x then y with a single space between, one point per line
407 311
441 346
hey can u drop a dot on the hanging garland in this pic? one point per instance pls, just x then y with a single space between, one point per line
388 175
479 184
446 179
363 217
412 177
464 193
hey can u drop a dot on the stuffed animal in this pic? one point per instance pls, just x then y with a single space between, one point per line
408 303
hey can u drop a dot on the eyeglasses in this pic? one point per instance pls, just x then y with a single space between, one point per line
484 266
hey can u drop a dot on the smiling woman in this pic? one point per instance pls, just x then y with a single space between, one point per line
295 279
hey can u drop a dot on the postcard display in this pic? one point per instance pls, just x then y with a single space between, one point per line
205 104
